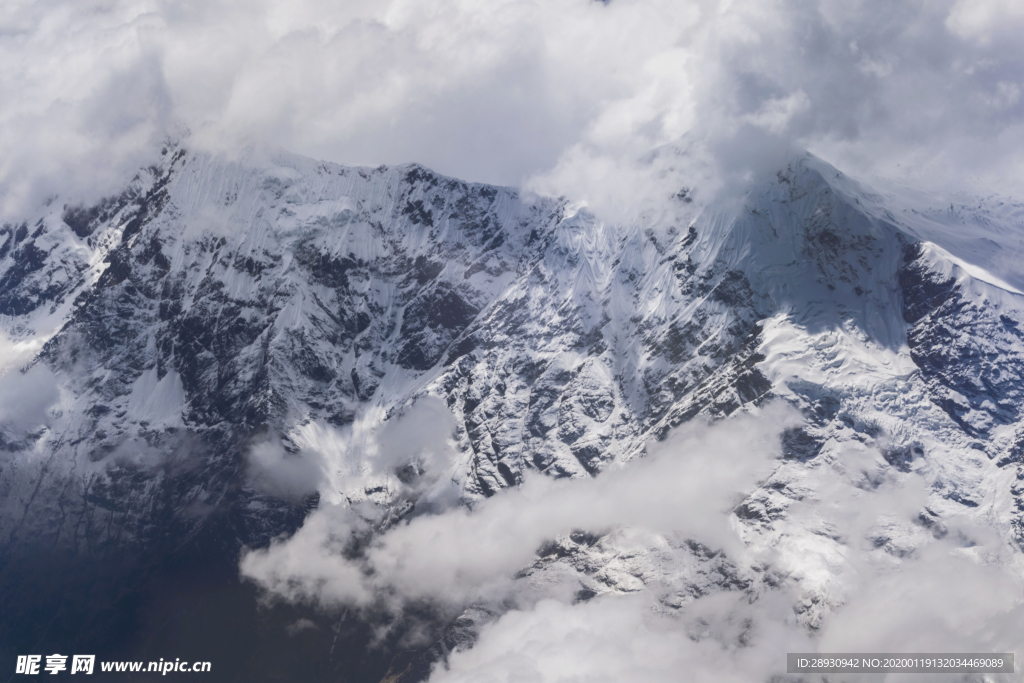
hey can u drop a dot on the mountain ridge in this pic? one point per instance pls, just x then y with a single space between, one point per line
217 306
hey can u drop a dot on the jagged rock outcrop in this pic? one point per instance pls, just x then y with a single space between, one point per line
216 304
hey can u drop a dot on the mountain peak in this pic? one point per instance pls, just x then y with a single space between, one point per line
231 340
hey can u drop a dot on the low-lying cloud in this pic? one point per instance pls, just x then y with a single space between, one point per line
26 397
282 473
954 590
936 603
688 484
851 545
620 638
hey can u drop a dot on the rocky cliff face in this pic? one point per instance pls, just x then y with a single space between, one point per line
218 305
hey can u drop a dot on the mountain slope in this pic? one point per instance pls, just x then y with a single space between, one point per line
226 342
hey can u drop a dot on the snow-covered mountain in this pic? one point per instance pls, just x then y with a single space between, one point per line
198 363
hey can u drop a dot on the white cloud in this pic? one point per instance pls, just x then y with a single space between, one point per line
619 638
687 484
422 435
852 543
507 90
984 19
17 353
26 397
960 593
288 475
311 565
946 604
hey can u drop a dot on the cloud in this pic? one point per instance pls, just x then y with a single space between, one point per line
26 397
851 544
17 353
412 452
457 556
287 475
958 593
508 91
417 447
983 20
620 638
422 434
312 565
946 604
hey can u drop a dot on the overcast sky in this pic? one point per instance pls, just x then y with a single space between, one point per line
506 91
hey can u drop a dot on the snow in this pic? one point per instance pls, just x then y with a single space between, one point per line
302 284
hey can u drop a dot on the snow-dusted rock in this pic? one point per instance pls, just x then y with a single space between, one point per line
221 304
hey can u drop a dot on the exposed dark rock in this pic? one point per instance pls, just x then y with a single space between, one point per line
799 444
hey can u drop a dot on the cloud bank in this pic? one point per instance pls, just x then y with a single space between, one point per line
620 638
853 546
459 556
510 91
